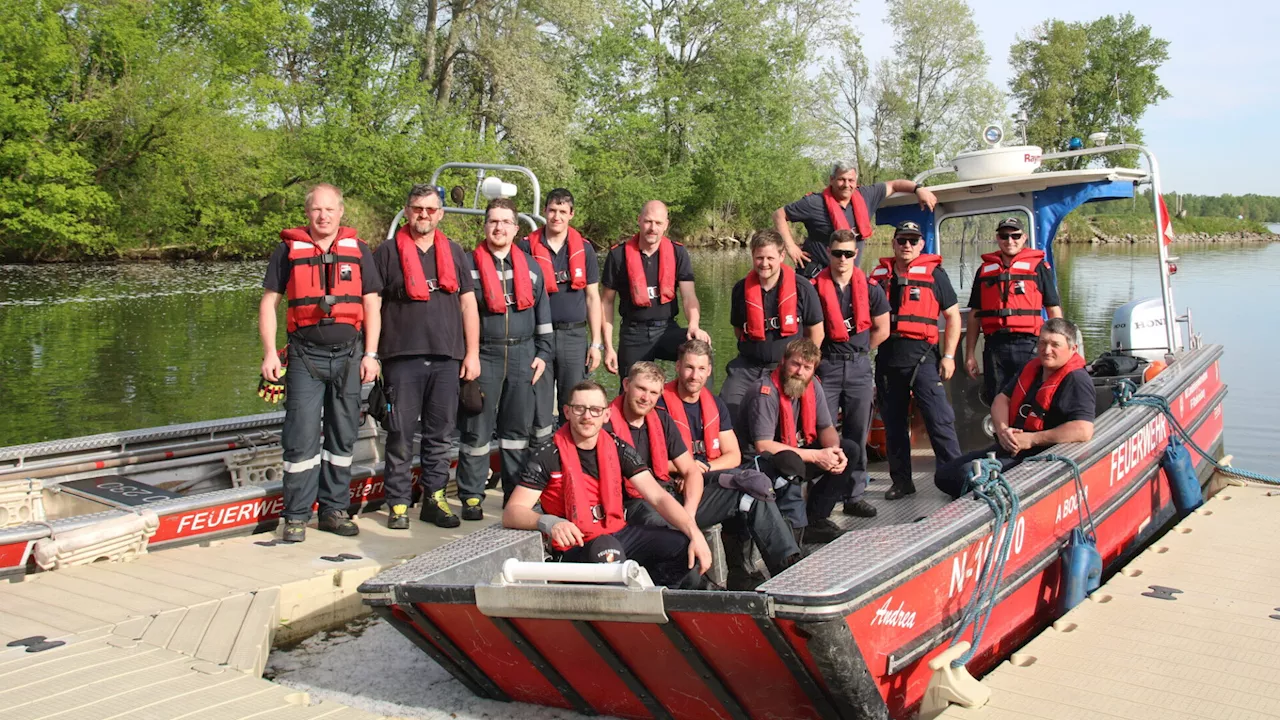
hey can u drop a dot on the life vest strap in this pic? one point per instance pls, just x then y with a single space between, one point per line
913 318
1007 312
325 259
332 300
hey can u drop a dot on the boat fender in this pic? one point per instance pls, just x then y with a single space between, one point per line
1081 570
1183 483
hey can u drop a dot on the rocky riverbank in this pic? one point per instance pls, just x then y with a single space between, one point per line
1100 238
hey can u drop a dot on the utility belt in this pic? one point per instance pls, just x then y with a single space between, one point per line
568 325
507 341
845 355
1007 335
648 323
770 323
340 349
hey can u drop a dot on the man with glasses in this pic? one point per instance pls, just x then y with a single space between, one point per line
574 295
767 310
430 341
1012 290
907 364
515 347
579 481
842 205
645 273
856 319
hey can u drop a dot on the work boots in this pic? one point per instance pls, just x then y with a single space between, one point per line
471 509
435 509
900 490
398 517
338 523
295 531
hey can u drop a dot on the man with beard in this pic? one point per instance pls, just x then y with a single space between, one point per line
856 317
767 310
579 480
430 341
574 294
515 345
842 205
793 430
644 273
907 364
660 443
1050 401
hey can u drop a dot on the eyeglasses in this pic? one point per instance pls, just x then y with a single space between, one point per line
908 239
846 254
420 210
1010 236
500 223
591 410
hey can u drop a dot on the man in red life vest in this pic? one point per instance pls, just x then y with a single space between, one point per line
580 480
515 347
332 286
1010 290
842 205
645 273
1050 401
430 341
856 319
907 364
789 422
767 309
659 440
574 294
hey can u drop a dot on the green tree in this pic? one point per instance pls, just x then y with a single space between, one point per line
1076 78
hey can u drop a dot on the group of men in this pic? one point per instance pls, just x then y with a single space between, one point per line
513 328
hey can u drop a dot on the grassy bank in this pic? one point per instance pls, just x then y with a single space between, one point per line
1082 226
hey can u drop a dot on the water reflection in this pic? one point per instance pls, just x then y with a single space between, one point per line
95 348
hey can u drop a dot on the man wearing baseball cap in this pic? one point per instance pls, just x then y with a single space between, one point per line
907 364
1012 290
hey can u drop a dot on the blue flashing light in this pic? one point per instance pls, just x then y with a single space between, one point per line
1075 144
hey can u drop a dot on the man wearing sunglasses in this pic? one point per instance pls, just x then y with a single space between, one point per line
856 321
1012 289
430 342
581 479
842 205
907 364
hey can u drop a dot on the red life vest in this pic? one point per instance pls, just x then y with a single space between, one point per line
835 213
593 504
324 287
666 273
415 281
915 318
1036 410
710 420
786 416
756 325
577 260
1003 306
494 296
659 463
837 326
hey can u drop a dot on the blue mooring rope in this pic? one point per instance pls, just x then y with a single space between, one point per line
988 482
1083 510
1126 395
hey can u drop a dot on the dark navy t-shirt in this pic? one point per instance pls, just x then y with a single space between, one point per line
413 327
568 305
812 211
769 351
1075 398
877 304
693 412
640 438
614 277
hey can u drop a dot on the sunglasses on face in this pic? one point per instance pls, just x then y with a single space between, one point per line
846 254
1010 236
909 240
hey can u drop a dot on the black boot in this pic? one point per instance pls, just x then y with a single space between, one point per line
900 490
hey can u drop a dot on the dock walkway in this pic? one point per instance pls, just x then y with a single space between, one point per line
1190 628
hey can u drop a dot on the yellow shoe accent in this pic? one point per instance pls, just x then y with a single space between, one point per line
399 509
472 502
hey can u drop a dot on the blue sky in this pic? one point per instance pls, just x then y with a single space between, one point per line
1220 132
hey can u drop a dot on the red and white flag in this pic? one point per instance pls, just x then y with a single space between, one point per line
1166 224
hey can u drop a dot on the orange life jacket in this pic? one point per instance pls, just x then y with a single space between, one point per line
577 260
491 284
786 416
415 281
757 325
1010 293
838 328
1032 420
572 499
324 287
666 272
659 463
916 316
710 420
835 213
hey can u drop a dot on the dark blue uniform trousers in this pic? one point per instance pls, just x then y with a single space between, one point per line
1003 357
322 387
656 340
953 477
566 369
741 377
424 399
507 383
827 489
895 387
849 384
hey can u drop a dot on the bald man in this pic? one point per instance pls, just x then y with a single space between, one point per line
648 273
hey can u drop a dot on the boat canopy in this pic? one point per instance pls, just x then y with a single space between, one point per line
1046 197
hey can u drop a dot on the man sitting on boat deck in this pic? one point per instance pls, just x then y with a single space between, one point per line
333 315
789 421
580 479
659 441
1051 401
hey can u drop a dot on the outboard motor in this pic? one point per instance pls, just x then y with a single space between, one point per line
1137 329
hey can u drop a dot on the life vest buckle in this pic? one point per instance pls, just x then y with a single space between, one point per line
597 513
848 325
509 298
329 258
562 276
327 302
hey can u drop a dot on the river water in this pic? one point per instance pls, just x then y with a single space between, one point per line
96 348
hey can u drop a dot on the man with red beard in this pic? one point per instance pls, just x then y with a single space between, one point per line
430 341
645 273
790 424
1050 401
580 479
659 441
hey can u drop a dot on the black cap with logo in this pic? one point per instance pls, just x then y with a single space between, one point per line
1011 223
908 227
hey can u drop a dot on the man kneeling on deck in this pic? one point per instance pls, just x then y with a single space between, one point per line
635 418
580 479
793 429
1051 401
